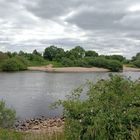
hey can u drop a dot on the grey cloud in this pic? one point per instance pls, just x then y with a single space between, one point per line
131 21
94 20
107 26
49 9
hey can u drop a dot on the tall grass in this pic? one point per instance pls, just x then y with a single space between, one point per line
44 136
12 135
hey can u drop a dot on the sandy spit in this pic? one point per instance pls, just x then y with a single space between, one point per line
49 68
127 69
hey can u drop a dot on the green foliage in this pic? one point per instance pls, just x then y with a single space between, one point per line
44 136
136 60
6 134
101 62
137 57
91 54
3 56
22 59
112 65
36 60
115 66
137 63
110 111
75 53
53 53
7 116
119 58
14 64
67 62
35 52
13 54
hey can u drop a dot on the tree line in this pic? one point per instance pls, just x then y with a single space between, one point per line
77 56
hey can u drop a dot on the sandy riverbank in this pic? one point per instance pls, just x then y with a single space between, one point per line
125 69
50 68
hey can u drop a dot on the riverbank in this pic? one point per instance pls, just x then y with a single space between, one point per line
50 68
131 69
41 125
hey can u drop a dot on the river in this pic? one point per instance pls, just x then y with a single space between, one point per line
31 93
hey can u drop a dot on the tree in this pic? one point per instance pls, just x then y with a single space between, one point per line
91 54
53 53
35 52
21 53
3 56
137 57
117 57
137 63
77 52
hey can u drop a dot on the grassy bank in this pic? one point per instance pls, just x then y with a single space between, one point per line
13 135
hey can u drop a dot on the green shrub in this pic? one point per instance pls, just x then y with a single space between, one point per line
13 64
115 65
99 62
67 62
112 65
137 63
111 111
22 59
3 56
7 116
36 60
81 63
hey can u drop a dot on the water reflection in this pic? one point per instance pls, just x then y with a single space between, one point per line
31 93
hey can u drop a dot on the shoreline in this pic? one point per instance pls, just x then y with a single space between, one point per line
51 69
42 124
130 69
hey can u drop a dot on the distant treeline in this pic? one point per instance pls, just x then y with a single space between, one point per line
78 56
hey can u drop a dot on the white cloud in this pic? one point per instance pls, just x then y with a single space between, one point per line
105 26
134 8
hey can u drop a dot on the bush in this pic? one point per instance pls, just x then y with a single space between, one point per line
7 116
81 63
23 60
3 56
113 65
137 63
99 62
111 111
13 64
67 62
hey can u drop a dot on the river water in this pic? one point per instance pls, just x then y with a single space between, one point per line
31 93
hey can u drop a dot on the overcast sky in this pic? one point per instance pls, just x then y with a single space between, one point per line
106 26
